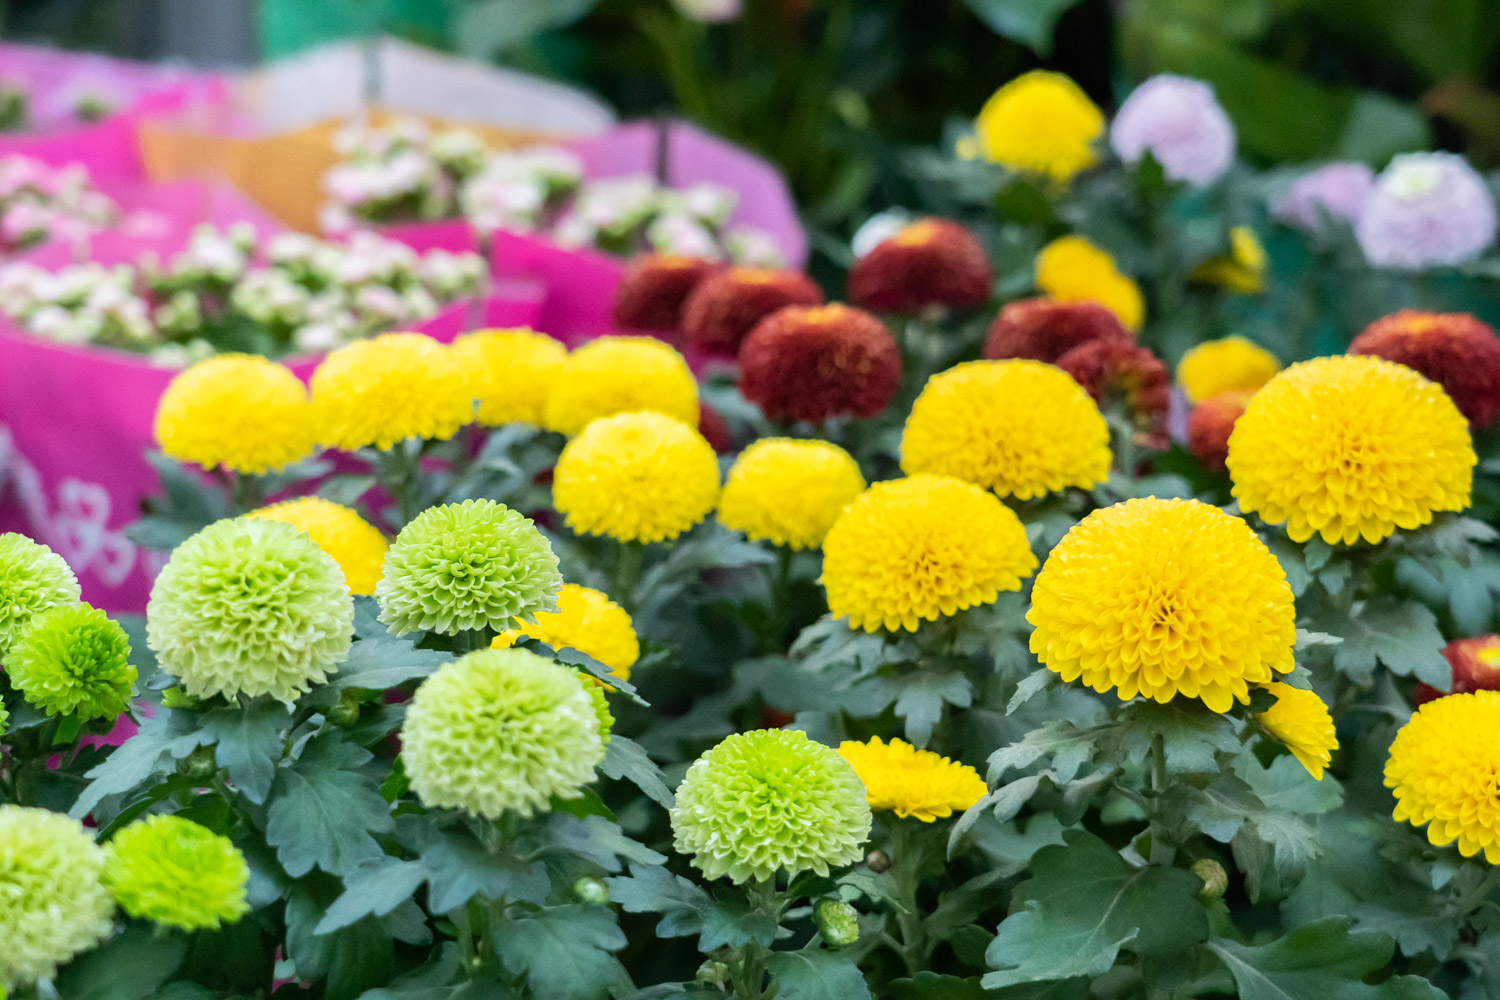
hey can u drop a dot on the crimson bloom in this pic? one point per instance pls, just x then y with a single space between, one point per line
932 262
813 363
1044 329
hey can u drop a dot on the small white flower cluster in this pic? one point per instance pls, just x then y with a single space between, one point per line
397 172
39 202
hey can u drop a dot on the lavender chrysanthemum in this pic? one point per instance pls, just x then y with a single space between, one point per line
1336 189
1427 210
1179 122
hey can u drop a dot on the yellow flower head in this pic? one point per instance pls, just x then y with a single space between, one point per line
585 620
1242 270
920 548
242 412
1072 269
910 782
513 372
1021 428
381 391
354 543
1350 447
1229 364
1163 598
1041 123
788 492
1442 771
621 375
636 477
1301 721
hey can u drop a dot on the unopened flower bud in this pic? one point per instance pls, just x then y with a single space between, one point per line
878 862
1215 878
591 890
837 921
200 765
712 973
345 712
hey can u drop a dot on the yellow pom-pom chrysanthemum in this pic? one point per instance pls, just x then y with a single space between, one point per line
1442 771
1072 269
789 492
240 412
1163 598
585 620
917 549
1041 123
621 375
381 391
1230 364
912 783
354 543
512 373
1242 270
636 477
1350 447
1021 428
1301 721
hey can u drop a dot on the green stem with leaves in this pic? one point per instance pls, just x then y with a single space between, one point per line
907 858
748 974
627 573
1162 849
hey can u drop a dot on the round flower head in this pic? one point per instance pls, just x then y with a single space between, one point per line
33 578
376 393
1454 350
240 412
933 262
1242 270
585 620
1042 329
1225 365
1122 371
1211 422
653 289
500 731
73 660
1163 598
176 873
621 375
1301 721
466 566
1442 772
1071 269
636 477
788 492
1020 428
250 607
1427 210
1040 123
1179 122
1348 448
1337 190
512 373
54 906
768 801
910 782
820 362
1475 663
725 307
916 549
354 543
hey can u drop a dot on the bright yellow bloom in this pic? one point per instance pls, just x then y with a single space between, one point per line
1021 428
1229 364
1164 598
788 492
910 782
916 549
1072 269
585 620
1442 771
245 413
636 477
621 375
354 543
379 392
1301 721
1242 270
1041 123
513 372
1350 447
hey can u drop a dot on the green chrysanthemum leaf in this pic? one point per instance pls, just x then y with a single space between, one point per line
172 871
33 578
73 660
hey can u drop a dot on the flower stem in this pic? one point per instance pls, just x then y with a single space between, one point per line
906 868
1469 902
1162 849
779 578
749 973
627 573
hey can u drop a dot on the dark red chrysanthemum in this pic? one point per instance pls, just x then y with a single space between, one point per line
1475 666
1044 330
1118 368
654 288
933 262
1453 349
715 429
813 363
722 311
1210 424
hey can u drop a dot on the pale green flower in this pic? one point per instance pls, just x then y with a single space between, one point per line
73 660
171 871
32 578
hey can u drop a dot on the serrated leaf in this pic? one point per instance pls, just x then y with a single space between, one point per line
729 921
1403 635
373 889
1031 685
624 758
1415 933
248 743
379 661
1067 746
1322 960
565 952
597 839
175 734
817 975
323 812
651 889
1192 734
460 868
922 697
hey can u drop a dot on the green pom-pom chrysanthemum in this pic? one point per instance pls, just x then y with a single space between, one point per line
33 578
52 905
73 660
250 607
500 730
172 871
476 564
770 800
